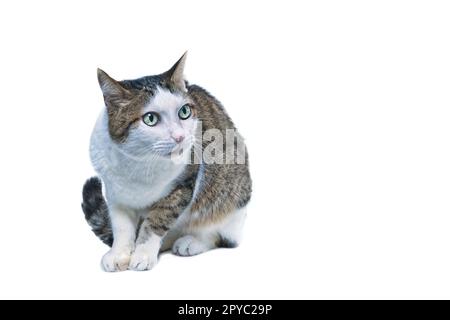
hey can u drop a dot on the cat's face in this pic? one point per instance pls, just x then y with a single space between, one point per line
166 126
150 116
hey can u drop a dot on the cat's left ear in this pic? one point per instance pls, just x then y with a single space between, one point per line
176 73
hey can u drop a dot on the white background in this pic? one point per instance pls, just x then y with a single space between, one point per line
345 107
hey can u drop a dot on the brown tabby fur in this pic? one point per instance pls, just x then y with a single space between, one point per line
222 188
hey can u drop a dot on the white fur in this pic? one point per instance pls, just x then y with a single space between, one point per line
145 255
124 223
135 178
189 246
114 261
233 225
130 180
195 240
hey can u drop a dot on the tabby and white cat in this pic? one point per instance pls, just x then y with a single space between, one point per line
156 201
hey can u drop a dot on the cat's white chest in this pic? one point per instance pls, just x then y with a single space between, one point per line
134 191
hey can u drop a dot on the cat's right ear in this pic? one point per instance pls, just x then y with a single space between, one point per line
112 89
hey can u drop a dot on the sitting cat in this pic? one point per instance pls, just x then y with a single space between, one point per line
157 197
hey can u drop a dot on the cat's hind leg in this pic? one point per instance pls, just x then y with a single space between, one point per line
226 234
190 245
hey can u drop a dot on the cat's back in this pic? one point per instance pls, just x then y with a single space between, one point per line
221 187
210 110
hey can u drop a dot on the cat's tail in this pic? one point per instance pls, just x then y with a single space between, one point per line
96 211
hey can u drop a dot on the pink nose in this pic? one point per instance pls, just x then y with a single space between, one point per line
179 138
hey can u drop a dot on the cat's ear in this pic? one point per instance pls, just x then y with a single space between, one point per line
112 89
176 73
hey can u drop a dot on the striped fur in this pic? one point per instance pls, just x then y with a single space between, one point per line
205 205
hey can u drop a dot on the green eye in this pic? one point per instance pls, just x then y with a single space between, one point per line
150 119
184 112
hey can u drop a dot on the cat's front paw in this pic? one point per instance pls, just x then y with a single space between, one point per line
114 261
143 259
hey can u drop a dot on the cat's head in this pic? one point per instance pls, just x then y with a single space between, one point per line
152 115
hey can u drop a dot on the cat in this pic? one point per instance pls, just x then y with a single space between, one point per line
156 198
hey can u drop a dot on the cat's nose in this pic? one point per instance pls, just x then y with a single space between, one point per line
178 138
